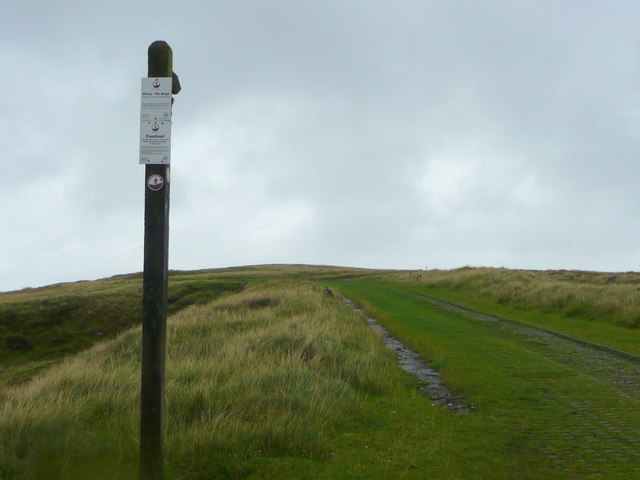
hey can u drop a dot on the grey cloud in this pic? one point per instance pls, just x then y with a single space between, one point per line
364 133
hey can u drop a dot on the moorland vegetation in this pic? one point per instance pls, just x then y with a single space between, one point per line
268 377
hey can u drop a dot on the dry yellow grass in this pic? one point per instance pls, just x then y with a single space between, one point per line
261 373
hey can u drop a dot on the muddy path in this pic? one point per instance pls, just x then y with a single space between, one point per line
431 382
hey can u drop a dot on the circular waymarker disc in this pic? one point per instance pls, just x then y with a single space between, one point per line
155 182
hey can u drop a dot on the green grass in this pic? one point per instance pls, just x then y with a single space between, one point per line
607 298
38 325
601 308
257 377
603 333
532 412
269 378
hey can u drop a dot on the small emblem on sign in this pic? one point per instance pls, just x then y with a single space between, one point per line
155 182
156 84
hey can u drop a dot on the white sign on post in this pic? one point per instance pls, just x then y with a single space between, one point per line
155 121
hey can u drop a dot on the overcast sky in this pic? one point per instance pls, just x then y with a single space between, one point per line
390 134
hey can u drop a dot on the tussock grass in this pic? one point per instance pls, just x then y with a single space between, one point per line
40 324
602 297
46 323
263 373
274 379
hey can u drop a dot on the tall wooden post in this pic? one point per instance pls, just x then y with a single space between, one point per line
154 308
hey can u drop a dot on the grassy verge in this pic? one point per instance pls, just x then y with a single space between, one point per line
602 333
602 308
609 298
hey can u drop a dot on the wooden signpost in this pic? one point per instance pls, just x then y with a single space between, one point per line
155 153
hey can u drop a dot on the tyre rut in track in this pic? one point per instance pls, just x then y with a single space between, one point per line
601 426
602 363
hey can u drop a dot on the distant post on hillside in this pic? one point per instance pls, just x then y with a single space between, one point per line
155 154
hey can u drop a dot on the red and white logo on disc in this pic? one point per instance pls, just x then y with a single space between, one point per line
155 182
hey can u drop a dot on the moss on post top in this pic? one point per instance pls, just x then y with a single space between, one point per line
160 59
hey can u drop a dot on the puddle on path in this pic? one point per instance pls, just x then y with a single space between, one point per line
411 363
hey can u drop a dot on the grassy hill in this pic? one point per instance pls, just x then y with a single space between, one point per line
38 326
267 377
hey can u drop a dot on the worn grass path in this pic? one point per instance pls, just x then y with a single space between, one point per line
542 405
